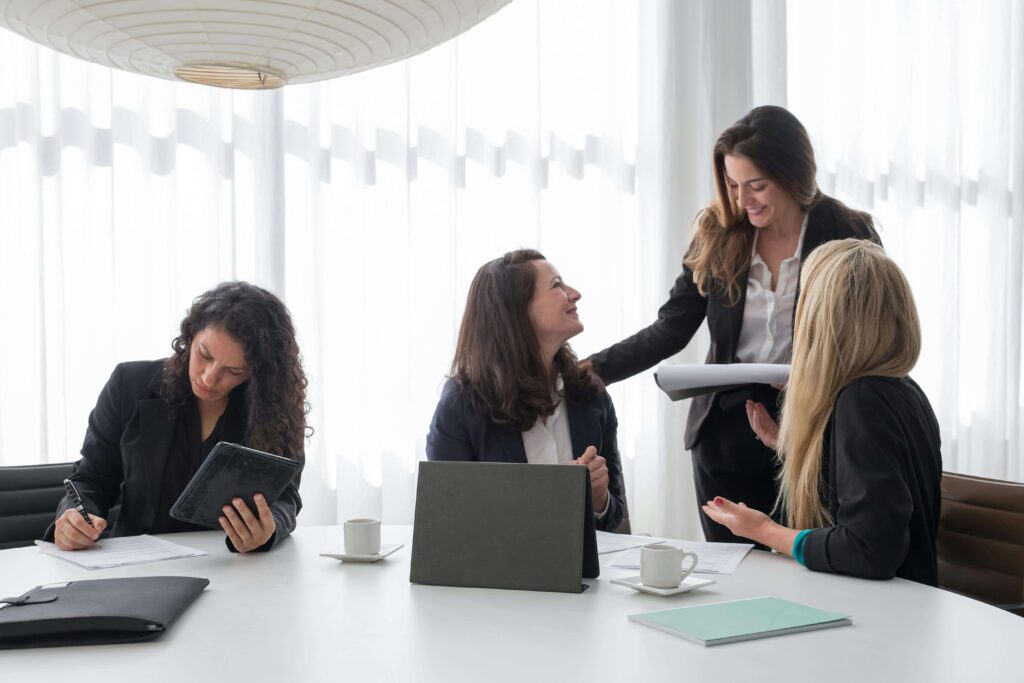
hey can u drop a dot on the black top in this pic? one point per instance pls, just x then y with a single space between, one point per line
125 453
189 451
462 430
881 477
681 316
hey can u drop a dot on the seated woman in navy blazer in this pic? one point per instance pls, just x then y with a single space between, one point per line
516 392
859 442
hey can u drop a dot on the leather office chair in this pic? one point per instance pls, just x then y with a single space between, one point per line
28 501
981 540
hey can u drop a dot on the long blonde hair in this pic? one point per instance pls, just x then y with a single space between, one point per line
856 317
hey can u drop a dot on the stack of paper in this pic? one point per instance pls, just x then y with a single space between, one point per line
612 543
712 558
687 381
118 552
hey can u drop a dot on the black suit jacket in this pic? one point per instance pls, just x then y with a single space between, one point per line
461 430
125 452
881 481
681 316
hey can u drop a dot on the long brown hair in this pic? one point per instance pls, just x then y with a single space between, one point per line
855 318
275 393
498 356
778 144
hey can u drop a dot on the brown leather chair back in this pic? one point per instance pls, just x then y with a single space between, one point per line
981 540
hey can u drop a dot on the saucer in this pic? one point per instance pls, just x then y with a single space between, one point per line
688 584
385 550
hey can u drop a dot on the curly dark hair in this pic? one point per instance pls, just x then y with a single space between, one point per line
275 393
498 356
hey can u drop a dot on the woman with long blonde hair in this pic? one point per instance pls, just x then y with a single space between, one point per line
858 440
741 274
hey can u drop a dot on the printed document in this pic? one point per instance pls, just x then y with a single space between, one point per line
613 543
119 552
712 558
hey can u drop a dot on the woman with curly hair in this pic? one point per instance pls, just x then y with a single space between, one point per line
235 376
516 392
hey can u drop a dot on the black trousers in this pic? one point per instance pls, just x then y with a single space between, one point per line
729 461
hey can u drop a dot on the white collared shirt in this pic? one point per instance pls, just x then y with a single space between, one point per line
767 332
548 442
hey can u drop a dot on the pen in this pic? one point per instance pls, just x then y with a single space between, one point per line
77 500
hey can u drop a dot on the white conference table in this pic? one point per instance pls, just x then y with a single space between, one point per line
291 615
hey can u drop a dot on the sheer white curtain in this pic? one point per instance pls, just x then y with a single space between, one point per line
916 112
507 137
367 203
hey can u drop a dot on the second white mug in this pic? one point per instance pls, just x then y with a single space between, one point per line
661 565
362 537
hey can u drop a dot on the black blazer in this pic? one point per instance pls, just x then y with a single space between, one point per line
681 316
881 479
125 451
461 430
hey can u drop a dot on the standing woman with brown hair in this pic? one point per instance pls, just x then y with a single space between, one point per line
742 274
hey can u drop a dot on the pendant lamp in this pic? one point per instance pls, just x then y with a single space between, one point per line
250 44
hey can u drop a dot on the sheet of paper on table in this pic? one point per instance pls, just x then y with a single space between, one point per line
122 551
613 543
713 558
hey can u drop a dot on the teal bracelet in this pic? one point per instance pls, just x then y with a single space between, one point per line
798 546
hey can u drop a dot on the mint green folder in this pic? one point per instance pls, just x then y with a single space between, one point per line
731 622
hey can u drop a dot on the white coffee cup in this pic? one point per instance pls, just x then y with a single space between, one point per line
661 565
362 537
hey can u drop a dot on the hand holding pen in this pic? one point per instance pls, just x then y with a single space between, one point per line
76 529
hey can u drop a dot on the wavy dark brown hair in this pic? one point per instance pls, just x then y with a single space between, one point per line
779 146
498 356
275 393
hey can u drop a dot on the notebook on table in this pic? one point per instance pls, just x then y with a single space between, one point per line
730 622
504 525
232 471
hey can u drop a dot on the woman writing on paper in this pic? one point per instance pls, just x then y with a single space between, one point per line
516 392
859 443
235 375
741 273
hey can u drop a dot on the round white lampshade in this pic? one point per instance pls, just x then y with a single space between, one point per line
243 43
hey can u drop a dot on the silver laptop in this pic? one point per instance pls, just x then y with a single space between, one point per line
504 525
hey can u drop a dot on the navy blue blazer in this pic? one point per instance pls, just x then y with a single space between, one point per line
463 431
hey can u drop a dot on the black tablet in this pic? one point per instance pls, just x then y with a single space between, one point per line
232 471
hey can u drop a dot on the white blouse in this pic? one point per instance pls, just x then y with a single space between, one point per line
548 442
767 332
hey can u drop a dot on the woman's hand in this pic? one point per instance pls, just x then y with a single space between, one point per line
738 518
246 531
763 425
598 477
72 532
752 524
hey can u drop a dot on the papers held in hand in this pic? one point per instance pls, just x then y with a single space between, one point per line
687 381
